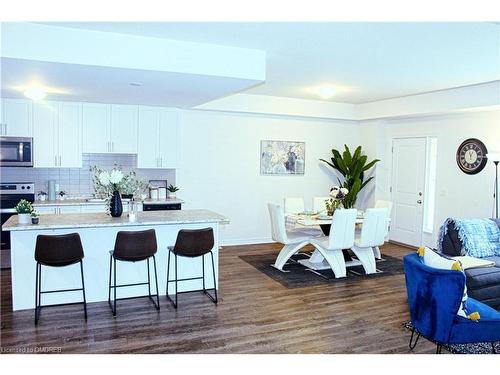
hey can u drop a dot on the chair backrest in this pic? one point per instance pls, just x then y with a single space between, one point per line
135 245
278 228
58 250
319 204
434 296
374 228
294 205
342 229
384 204
194 242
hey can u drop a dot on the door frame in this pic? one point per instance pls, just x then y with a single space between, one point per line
427 138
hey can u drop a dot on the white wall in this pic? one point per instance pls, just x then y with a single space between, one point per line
457 194
220 166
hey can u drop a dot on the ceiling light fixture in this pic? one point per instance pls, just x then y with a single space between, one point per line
136 84
35 93
326 92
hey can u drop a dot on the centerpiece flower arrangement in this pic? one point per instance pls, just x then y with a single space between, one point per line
337 195
111 184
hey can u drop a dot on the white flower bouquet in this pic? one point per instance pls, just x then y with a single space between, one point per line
337 194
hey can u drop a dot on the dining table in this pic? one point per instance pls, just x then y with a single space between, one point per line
316 261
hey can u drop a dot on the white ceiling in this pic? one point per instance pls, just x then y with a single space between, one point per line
112 85
365 61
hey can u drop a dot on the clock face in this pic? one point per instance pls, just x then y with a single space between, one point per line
471 156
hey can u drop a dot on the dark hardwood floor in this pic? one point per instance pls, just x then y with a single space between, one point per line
255 315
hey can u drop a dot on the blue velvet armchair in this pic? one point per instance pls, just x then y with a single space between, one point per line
434 296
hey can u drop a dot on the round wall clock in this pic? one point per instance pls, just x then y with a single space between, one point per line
471 156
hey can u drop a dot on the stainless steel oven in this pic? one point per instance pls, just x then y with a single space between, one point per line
16 152
10 195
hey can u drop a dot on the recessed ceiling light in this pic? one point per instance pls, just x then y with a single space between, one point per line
35 93
326 92
135 83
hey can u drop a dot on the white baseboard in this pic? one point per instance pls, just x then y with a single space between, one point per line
245 241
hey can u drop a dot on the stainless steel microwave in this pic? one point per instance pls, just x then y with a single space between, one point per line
16 152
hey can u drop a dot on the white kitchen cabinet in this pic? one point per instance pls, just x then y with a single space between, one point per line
17 117
157 138
109 128
57 138
123 129
96 127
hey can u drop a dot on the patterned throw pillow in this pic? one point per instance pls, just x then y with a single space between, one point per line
435 260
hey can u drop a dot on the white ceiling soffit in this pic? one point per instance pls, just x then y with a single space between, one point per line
84 65
364 61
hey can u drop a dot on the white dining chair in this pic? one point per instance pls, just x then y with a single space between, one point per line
293 240
341 237
294 205
373 235
388 205
319 204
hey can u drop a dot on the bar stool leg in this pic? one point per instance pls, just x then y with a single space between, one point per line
109 284
203 270
213 273
176 280
114 287
168 269
149 279
156 284
36 294
83 290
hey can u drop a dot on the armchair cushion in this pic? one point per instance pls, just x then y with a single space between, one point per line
465 331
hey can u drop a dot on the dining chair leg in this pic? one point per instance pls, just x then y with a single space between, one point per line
83 290
411 343
439 347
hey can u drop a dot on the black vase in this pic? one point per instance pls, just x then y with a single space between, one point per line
115 206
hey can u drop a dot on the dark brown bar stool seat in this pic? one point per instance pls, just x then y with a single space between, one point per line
192 243
57 251
133 246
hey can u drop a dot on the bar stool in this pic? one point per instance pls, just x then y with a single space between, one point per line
133 246
192 243
57 251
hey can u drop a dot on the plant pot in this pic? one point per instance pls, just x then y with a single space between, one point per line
172 195
115 206
24 219
35 220
42 197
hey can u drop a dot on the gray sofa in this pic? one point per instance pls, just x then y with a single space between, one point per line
483 284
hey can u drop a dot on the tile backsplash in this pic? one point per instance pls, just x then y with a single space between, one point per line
77 182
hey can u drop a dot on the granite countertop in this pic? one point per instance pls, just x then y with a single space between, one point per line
87 202
99 220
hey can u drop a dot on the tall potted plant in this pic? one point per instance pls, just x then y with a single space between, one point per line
352 166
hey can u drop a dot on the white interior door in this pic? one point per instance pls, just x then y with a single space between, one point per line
408 183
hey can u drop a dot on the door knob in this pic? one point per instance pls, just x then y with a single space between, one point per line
419 201
419 193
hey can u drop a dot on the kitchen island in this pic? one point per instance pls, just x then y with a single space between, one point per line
98 232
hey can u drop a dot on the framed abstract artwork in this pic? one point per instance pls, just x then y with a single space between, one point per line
282 157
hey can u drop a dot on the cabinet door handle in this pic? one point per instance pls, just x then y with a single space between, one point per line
60 160
112 146
5 129
161 161
55 160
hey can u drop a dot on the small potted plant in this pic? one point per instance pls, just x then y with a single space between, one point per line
172 190
35 217
42 195
24 210
62 194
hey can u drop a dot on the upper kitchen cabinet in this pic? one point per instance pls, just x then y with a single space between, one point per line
109 128
57 135
157 138
16 119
